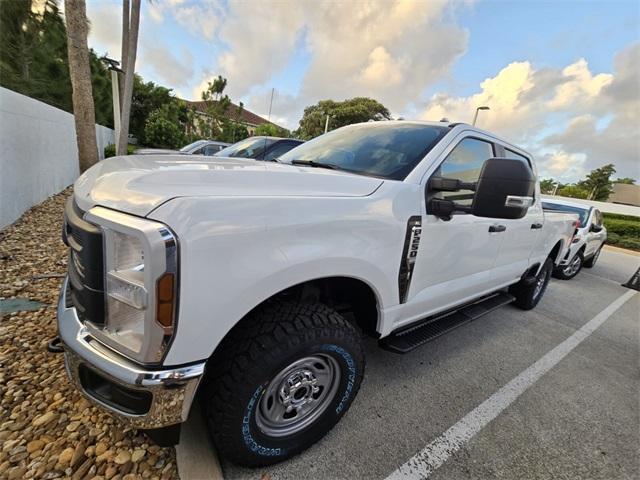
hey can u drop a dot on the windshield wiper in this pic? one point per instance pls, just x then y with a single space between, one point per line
313 163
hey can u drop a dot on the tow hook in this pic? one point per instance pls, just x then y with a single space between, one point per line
55 345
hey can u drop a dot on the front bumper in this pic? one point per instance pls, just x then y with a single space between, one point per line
142 398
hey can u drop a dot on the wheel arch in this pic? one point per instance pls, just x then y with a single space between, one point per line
554 254
352 297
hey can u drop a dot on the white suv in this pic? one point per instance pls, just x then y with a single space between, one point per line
587 242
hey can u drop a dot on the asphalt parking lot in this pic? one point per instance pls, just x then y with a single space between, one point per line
578 418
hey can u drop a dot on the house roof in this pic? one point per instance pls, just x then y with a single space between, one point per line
246 116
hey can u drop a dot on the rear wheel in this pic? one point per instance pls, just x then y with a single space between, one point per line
571 269
589 263
529 291
282 380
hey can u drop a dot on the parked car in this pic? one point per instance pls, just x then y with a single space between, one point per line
260 148
587 242
199 147
255 285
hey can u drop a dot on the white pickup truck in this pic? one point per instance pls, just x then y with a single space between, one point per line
252 283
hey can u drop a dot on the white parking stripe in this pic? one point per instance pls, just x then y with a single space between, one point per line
436 453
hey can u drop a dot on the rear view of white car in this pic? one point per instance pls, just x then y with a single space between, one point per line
587 242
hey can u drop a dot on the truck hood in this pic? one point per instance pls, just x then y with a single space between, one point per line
138 184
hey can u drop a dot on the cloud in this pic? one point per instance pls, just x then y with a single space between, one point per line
593 117
391 51
175 71
105 27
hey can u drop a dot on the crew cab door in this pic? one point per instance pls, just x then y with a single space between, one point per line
520 236
455 258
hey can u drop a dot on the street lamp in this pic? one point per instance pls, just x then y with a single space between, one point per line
475 117
114 67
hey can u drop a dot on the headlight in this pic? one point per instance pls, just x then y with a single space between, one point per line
126 295
140 265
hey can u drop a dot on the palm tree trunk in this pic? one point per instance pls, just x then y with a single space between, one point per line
125 45
80 73
128 77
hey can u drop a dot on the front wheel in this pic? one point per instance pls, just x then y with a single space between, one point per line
571 269
285 377
592 261
529 291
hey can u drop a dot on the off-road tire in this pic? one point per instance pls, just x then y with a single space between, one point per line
525 291
255 352
591 261
559 271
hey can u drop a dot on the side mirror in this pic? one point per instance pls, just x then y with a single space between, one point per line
596 228
505 189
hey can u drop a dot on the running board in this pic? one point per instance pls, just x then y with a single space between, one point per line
406 339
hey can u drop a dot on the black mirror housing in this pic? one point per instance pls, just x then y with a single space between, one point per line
505 189
596 228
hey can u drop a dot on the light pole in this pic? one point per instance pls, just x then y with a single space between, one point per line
475 117
326 124
113 66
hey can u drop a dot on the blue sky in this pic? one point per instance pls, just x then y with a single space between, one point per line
571 61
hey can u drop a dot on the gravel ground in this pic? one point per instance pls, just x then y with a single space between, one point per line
47 429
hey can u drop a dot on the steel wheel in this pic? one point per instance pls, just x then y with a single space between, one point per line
298 395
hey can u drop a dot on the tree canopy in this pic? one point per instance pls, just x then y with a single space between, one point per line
34 61
354 110
597 185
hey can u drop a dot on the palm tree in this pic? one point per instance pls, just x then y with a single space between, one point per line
130 38
80 72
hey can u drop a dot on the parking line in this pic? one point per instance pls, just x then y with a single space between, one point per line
436 453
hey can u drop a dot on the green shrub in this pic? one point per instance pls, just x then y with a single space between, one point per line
618 216
163 128
110 150
624 228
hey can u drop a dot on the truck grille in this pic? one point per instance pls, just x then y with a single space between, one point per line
85 288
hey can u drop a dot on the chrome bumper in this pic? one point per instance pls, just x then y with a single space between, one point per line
172 390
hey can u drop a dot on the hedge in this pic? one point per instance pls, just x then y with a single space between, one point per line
625 228
622 230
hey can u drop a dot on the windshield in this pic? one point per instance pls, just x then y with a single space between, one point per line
193 145
583 213
380 149
252 147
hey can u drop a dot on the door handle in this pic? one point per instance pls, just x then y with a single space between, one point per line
497 228
535 226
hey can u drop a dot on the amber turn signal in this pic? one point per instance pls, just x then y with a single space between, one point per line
165 300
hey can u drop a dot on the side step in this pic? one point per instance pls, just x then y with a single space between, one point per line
406 339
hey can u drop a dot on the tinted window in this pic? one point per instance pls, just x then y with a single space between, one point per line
464 163
280 149
512 154
252 147
583 213
211 149
381 149
193 145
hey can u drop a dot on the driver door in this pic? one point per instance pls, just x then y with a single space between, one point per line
455 258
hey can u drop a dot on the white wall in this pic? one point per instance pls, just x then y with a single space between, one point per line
605 207
38 152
